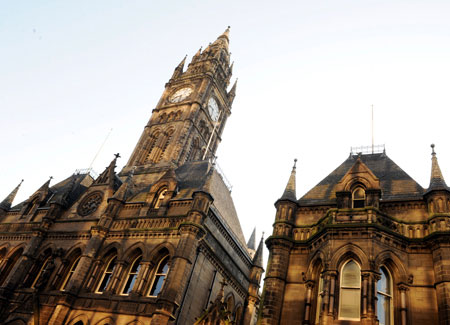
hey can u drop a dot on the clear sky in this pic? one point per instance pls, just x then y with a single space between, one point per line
308 72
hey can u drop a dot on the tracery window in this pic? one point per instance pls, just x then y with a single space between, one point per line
384 296
350 291
107 275
70 273
359 197
159 277
132 275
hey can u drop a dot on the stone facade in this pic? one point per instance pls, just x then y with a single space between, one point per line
149 245
367 245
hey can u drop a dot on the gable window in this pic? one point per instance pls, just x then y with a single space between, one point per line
160 198
107 275
160 277
132 275
359 197
384 298
70 274
350 293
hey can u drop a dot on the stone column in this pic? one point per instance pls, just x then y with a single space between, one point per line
274 283
403 307
309 289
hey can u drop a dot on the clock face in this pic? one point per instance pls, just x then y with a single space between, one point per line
180 94
213 109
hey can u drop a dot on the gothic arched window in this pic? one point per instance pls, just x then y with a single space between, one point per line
107 274
132 275
350 291
70 273
159 198
159 277
10 262
40 273
384 296
358 197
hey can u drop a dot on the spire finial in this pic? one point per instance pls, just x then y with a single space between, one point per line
117 155
437 179
295 164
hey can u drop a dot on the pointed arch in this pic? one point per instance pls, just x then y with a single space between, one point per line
160 251
79 318
106 321
395 265
349 251
11 260
134 250
114 246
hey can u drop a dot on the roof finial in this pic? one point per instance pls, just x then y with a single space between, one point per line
295 164
432 150
117 155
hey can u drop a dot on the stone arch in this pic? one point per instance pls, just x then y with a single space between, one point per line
157 253
16 321
79 318
230 301
48 248
133 251
78 246
106 321
106 251
317 262
346 252
393 263
135 322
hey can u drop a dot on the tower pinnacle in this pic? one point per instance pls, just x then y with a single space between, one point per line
289 192
7 202
437 181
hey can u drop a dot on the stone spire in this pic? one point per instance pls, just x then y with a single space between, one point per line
107 177
252 241
7 202
179 69
289 192
232 92
437 181
258 259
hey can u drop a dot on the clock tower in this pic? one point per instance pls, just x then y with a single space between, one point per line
187 123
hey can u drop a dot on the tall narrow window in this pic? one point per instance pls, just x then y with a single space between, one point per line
107 275
359 198
70 274
160 198
319 298
132 276
384 295
160 277
41 270
350 295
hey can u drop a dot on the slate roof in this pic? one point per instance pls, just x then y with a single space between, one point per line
201 176
395 183
71 188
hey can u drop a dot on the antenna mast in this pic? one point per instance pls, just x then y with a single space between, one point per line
372 132
100 149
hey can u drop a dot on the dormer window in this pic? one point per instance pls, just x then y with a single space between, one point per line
359 197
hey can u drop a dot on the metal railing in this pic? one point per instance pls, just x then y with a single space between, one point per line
367 150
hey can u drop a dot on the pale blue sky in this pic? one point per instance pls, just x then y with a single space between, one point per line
308 72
